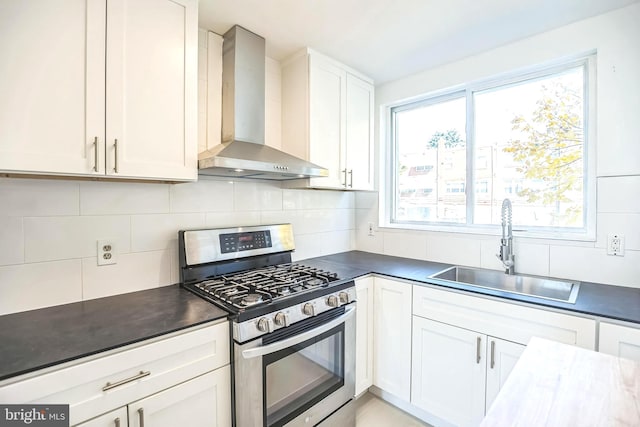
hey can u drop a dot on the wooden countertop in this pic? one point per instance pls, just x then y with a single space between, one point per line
560 385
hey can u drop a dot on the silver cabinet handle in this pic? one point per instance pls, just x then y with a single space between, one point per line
142 374
344 171
350 178
117 422
141 415
478 343
95 154
115 164
493 354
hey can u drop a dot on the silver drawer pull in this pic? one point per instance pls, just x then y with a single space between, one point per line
115 147
117 422
141 415
142 374
478 343
95 154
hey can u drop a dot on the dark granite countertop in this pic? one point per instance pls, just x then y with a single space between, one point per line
37 339
614 302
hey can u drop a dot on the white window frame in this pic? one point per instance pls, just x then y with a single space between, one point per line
388 158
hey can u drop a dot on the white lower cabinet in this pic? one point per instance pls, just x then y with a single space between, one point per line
501 359
449 371
457 373
364 334
620 341
204 401
115 418
392 337
185 377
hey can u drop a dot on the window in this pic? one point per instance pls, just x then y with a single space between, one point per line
524 137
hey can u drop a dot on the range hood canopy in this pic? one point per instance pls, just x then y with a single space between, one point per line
242 153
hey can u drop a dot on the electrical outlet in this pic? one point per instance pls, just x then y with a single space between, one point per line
370 233
615 244
106 252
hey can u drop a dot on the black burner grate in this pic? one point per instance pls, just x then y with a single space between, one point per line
253 287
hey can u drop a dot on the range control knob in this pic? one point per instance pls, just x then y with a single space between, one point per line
265 325
344 297
332 301
281 319
308 309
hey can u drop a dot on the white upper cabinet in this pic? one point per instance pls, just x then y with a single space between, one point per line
96 88
52 86
327 119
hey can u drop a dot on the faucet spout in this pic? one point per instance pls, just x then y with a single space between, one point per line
506 242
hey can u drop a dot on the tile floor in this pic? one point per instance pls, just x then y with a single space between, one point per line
374 412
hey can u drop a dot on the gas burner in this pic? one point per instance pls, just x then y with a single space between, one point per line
251 299
314 281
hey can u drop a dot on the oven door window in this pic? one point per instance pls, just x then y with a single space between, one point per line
298 377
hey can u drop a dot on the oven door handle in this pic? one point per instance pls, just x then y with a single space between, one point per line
297 339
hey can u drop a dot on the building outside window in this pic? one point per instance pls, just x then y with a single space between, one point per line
524 137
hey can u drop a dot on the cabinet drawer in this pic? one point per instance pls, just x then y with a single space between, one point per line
157 366
511 322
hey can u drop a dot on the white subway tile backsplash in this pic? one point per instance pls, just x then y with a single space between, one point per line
256 196
627 224
312 220
319 244
133 272
367 243
205 195
403 244
366 200
317 199
594 265
232 219
30 286
36 197
11 240
53 238
157 232
454 250
113 198
619 194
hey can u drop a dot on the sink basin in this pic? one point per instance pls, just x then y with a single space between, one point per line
539 287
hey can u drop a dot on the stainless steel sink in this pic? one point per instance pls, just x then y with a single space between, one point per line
539 287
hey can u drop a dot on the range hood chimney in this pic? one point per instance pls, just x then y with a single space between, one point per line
242 153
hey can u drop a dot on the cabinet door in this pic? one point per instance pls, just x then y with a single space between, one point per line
501 358
392 337
620 341
326 127
448 371
364 334
116 418
204 401
52 86
359 134
151 89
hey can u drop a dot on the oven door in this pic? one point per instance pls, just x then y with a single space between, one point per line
297 375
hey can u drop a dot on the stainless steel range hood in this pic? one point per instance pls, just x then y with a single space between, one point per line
242 153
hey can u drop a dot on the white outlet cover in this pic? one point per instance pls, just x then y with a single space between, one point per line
107 252
615 244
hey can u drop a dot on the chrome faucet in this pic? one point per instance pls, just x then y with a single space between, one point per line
506 243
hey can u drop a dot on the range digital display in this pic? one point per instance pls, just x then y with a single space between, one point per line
245 241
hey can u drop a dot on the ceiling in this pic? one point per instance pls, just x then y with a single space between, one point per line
389 39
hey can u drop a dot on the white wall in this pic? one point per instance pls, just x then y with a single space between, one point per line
615 35
49 231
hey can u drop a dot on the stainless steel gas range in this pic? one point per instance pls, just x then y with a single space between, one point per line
293 325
